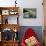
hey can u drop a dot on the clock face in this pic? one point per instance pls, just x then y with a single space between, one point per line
5 12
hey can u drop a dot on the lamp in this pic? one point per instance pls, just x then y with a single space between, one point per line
15 3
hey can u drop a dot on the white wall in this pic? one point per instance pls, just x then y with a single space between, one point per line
32 4
27 4
6 3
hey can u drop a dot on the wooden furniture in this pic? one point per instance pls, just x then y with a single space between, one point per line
11 26
44 35
0 43
5 13
44 8
8 11
10 43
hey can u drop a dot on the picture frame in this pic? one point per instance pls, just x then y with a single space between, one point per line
5 12
12 12
29 12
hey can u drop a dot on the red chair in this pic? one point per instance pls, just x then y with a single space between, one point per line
29 33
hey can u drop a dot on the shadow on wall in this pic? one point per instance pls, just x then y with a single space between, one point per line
37 29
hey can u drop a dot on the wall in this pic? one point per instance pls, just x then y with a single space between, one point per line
32 4
27 4
7 3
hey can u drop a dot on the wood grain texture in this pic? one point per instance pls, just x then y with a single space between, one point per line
10 43
10 26
44 8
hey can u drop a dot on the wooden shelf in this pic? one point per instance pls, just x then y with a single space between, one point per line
9 43
10 26
4 13
9 8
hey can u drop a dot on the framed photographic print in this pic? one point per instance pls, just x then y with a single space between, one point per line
5 12
12 12
29 12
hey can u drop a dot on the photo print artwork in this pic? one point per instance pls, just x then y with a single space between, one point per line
29 12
